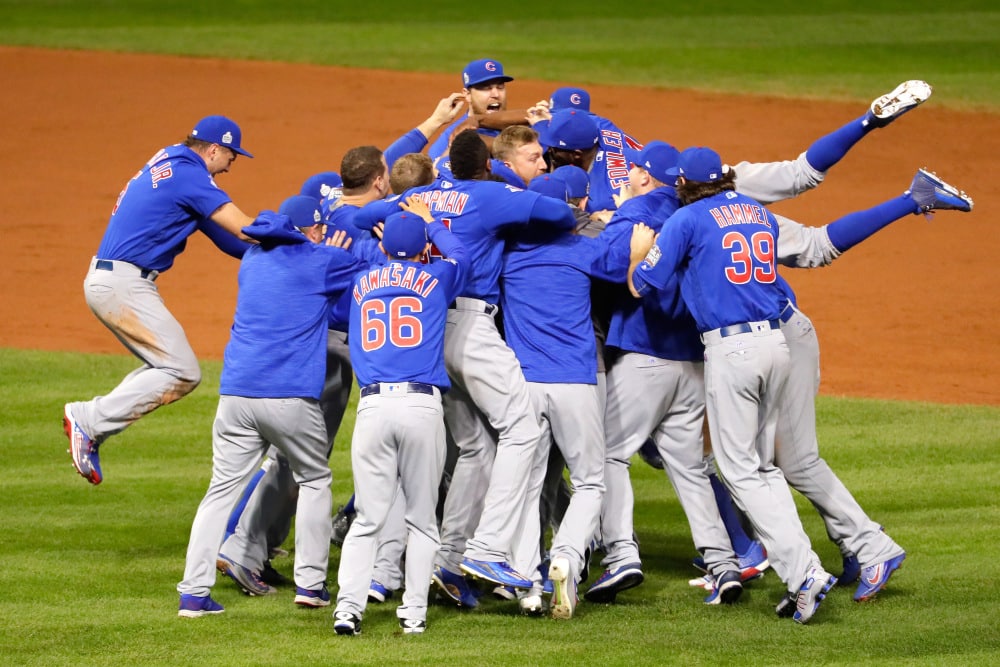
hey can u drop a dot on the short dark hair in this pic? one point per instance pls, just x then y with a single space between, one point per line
360 167
196 144
689 192
468 155
410 171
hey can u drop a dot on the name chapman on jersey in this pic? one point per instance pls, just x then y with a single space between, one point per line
393 275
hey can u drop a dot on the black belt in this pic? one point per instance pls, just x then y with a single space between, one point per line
109 265
734 329
410 388
476 305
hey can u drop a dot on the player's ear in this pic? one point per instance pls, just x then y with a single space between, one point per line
382 248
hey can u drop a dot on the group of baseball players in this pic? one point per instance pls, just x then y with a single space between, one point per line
531 299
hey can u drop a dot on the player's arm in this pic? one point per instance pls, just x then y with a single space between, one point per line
498 120
447 243
222 239
445 112
642 240
233 220
374 212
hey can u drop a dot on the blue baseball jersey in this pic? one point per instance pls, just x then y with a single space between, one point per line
398 315
478 213
546 302
160 208
340 217
616 153
660 324
724 248
277 345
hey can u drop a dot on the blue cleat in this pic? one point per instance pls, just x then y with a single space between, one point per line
852 570
378 593
455 587
193 606
753 562
930 193
248 580
812 591
497 572
305 597
875 577
613 582
727 589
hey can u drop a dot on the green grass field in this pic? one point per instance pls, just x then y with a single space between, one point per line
88 573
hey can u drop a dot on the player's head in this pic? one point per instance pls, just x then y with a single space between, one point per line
518 148
218 140
654 167
404 236
304 212
469 156
319 185
486 85
571 137
569 98
365 172
577 184
410 171
700 174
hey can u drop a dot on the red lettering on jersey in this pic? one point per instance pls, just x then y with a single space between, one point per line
356 293
430 288
434 252
408 277
396 272
737 212
421 283
719 220
384 278
632 143
727 215
161 172
611 138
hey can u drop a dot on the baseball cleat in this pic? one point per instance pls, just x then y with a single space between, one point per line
651 455
753 562
531 605
907 95
705 582
563 588
727 589
875 577
82 448
455 587
305 597
614 581
378 593
852 570
506 593
497 572
248 580
930 193
817 584
346 623
193 606
272 577
413 626
342 521
786 608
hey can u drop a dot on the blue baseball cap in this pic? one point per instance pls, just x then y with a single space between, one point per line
481 71
549 185
568 130
570 98
302 210
577 180
699 164
318 186
660 159
404 235
220 130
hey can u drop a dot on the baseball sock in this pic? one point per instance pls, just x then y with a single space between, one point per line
830 149
730 517
234 516
855 227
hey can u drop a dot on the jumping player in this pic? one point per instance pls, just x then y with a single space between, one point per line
170 198
397 347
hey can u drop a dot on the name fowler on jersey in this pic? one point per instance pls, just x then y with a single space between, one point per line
614 161
727 215
393 275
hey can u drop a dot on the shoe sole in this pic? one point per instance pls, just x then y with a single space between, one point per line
905 97
185 613
69 427
803 619
228 569
754 571
314 603
873 593
609 592
348 630
494 579
962 201
451 592
562 598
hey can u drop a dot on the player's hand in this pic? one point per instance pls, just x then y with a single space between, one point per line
623 195
339 239
448 109
417 206
538 113
643 238
378 229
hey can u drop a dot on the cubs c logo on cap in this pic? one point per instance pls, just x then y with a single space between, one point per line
489 66
574 99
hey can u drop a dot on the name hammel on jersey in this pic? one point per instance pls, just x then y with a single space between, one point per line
413 278
728 215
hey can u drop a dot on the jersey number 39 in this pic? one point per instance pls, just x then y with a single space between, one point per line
753 259
394 321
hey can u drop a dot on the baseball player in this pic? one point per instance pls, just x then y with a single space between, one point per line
397 336
722 243
519 157
173 195
552 335
271 379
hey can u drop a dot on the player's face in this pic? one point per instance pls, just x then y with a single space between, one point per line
488 97
528 161
220 158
